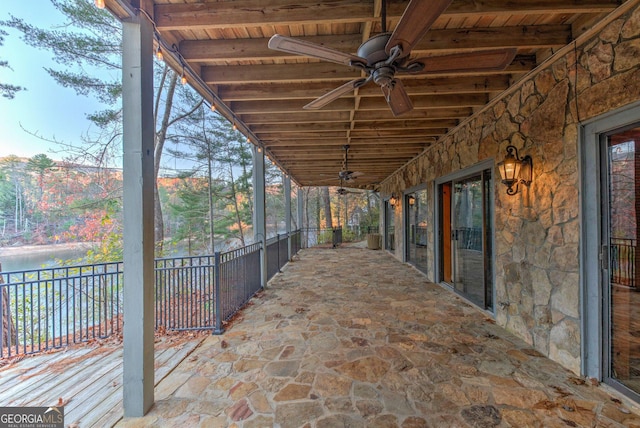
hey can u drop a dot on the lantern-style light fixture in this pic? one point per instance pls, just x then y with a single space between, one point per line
514 170
412 200
393 200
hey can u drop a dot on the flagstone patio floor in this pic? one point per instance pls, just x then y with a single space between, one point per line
351 337
344 337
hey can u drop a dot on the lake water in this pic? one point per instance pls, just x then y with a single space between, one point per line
37 257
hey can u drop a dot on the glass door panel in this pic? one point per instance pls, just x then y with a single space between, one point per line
467 236
446 234
417 240
389 227
621 152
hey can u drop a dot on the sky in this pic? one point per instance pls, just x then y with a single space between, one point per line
44 108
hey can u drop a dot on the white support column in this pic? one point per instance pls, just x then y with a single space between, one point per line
259 214
301 217
138 178
286 180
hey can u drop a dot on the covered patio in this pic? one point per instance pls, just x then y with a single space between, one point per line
344 337
477 83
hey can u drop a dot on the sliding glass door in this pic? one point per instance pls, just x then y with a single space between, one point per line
466 234
620 152
416 223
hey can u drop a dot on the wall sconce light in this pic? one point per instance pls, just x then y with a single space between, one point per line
412 200
393 200
514 170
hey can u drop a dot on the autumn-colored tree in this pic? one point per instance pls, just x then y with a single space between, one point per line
88 49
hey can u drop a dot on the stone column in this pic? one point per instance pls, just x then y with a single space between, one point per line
138 179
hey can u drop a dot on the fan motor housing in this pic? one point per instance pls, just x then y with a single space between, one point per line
373 49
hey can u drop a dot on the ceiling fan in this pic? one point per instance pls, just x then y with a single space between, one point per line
346 174
342 191
387 53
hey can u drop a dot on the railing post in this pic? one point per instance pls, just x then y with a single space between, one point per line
216 294
278 251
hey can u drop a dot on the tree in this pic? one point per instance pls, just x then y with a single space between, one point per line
6 89
13 197
89 49
326 199
40 164
220 155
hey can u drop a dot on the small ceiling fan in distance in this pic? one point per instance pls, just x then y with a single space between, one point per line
388 53
346 174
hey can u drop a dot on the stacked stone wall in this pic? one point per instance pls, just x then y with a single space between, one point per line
537 231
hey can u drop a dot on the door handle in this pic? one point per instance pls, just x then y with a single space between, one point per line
604 257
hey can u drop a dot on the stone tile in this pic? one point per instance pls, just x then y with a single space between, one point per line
293 392
293 415
371 345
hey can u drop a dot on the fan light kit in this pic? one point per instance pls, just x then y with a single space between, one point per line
387 54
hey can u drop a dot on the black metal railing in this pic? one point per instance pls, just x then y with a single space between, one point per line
49 308
623 261
55 307
312 236
185 292
239 280
277 254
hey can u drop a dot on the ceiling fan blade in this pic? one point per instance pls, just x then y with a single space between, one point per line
356 174
489 60
414 24
397 98
301 47
334 94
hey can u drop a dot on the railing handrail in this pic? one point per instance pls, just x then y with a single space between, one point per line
48 309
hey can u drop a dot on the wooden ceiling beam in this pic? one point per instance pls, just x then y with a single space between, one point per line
435 42
407 124
256 13
389 143
300 127
430 101
232 74
303 117
302 135
215 51
424 86
444 113
432 132
354 152
403 125
321 71
284 106
448 101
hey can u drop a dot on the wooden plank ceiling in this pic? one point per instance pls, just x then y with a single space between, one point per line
225 44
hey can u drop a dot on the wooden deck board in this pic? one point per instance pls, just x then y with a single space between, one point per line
88 379
72 388
11 373
57 377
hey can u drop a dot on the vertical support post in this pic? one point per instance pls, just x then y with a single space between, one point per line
301 216
259 213
278 251
217 300
138 180
287 211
